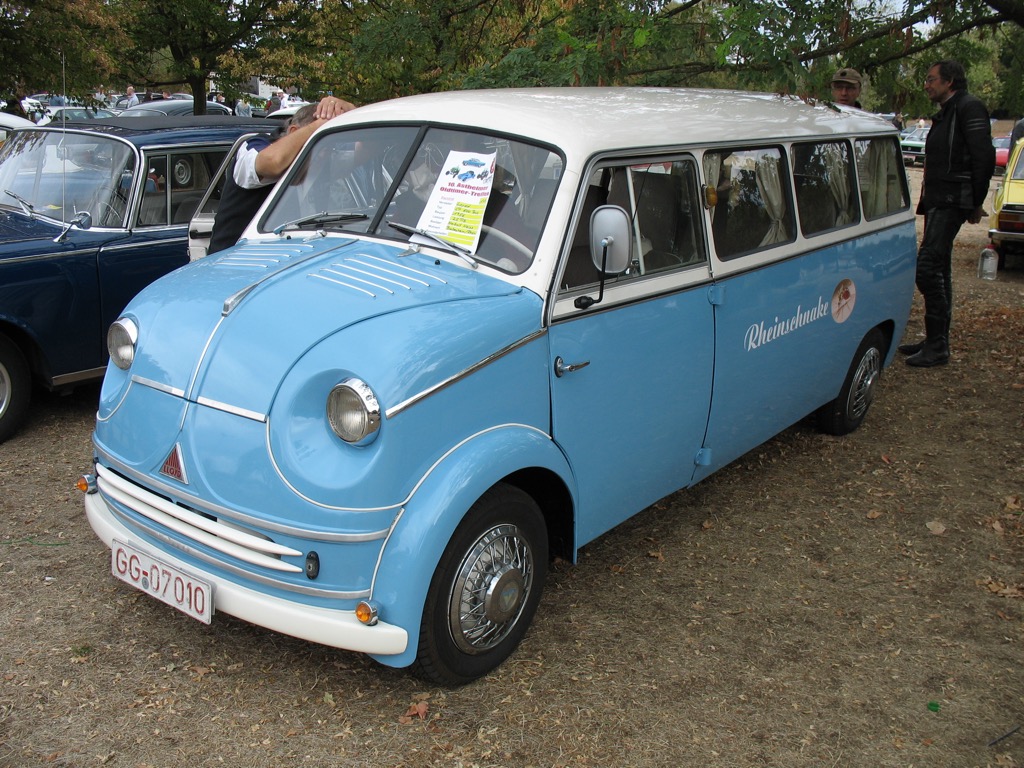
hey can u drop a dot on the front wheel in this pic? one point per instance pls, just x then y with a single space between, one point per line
485 589
15 388
847 411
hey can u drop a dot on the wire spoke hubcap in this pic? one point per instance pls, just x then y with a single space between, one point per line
490 590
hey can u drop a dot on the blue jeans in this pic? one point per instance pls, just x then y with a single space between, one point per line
935 268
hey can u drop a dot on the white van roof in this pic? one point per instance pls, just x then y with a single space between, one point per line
595 119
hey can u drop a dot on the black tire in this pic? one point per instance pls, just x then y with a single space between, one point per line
485 590
15 388
846 412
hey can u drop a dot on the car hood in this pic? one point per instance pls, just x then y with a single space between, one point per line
22 236
17 227
226 330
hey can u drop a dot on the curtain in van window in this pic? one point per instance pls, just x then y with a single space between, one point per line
839 183
880 186
769 184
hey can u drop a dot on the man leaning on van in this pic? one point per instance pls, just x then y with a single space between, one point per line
959 160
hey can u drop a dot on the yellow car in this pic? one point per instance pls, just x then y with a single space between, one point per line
1006 225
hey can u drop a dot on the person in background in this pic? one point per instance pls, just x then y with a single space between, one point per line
846 87
258 164
273 104
133 100
959 161
242 107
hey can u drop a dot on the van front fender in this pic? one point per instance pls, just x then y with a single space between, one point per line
437 505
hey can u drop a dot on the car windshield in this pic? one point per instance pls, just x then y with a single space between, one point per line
487 196
57 175
1018 168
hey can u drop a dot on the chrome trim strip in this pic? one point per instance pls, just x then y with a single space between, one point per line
202 355
397 409
241 518
233 569
148 243
71 378
245 413
49 256
158 386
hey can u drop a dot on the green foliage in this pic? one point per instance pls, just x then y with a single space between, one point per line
377 49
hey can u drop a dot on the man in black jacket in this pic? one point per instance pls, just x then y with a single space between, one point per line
959 160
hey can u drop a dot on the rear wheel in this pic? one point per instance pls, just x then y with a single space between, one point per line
485 589
15 388
847 411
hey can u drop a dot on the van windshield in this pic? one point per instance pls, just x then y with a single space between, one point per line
56 175
486 195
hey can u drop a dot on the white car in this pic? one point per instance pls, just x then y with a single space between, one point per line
10 123
74 114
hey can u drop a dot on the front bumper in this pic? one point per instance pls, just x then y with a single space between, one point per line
334 628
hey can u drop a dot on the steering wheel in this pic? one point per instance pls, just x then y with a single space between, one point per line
506 238
111 216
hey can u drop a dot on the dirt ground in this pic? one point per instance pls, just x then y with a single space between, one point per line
854 601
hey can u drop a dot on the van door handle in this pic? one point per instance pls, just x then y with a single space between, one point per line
561 368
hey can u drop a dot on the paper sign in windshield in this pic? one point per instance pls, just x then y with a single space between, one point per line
455 208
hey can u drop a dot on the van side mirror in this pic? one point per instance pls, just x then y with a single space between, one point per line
611 247
611 240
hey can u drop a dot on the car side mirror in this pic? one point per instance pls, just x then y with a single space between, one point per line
611 240
611 247
82 220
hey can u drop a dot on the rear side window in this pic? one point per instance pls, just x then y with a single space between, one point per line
753 209
174 185
883 182
824 184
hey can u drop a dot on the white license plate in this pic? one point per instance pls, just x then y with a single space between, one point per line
163 581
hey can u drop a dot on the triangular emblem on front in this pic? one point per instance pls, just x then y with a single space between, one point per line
174 465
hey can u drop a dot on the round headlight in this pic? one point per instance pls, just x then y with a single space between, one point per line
353 411
121 340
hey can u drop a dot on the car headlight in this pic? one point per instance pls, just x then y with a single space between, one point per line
121 340
353 411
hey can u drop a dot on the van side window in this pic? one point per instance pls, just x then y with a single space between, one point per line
662 201
823 179
753 209
883 187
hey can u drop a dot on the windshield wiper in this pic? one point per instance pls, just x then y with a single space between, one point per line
458 250
26 206
319 218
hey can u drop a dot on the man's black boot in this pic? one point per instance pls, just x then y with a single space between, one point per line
935 351
911 349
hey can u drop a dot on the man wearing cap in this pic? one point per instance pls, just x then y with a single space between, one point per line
846 84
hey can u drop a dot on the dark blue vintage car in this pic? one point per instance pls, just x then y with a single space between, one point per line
89 215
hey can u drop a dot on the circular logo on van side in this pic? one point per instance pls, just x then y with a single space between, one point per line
843 299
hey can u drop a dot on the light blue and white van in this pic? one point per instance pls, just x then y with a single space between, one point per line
473 331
